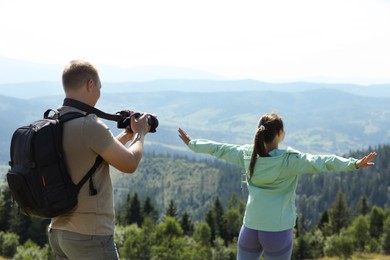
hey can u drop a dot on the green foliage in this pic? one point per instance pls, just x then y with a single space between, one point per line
339 215
169 240
309 245
202 234
171 210
192 184
31 251
169 228
340 245
154 237
222 252
186 224
220 220
386 236
8 243
376 222
135 212
233 220
324 223
5 208
316 192
362 207
135 242
211 222
132 247
149 210
359 231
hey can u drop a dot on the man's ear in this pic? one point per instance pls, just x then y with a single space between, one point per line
90 85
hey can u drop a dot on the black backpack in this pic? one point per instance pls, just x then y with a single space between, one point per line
38 177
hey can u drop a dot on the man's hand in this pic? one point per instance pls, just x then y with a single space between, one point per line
140 125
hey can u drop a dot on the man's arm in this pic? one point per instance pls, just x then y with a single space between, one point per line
127 159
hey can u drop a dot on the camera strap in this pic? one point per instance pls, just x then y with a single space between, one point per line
91 110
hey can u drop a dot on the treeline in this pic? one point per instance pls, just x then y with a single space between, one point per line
144 233
192 198
194 183
141 231
316 192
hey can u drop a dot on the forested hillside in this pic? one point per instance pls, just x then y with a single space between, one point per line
187 207
316 192
194 184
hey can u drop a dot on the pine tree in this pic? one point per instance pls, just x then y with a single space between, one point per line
362 207
135 215
233 220
124 212
220 221
171 211
376 222
19 224
339 215
202 234
5 208
360 232
186 224
324 223
302 248
149 210
324 219
210 220
386 234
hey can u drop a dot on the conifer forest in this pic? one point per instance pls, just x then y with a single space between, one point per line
193 209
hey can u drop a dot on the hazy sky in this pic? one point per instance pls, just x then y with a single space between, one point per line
273 40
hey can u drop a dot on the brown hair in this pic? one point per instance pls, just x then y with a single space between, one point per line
77 73
269 126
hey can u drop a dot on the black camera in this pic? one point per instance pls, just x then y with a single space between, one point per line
127 114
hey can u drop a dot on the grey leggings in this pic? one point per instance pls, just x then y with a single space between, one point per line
275 245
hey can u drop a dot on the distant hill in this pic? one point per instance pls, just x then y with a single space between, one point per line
28 90
322 120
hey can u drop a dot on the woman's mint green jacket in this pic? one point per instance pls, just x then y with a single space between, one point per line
272 188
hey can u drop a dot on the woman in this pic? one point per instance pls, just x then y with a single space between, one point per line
272 176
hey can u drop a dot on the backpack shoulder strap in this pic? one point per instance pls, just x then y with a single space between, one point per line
54 114
67 117
92 189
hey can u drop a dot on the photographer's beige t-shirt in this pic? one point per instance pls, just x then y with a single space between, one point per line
83 139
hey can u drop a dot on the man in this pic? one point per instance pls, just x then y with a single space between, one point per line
87 231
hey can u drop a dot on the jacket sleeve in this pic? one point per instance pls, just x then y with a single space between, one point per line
302 163
229 152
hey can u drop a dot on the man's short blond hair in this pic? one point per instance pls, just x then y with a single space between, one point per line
77 73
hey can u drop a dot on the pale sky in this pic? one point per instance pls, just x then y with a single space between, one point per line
267 40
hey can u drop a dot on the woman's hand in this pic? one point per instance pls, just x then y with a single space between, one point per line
184 136
365 161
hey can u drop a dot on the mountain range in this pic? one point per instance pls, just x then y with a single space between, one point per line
317 121
36 89
23 79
